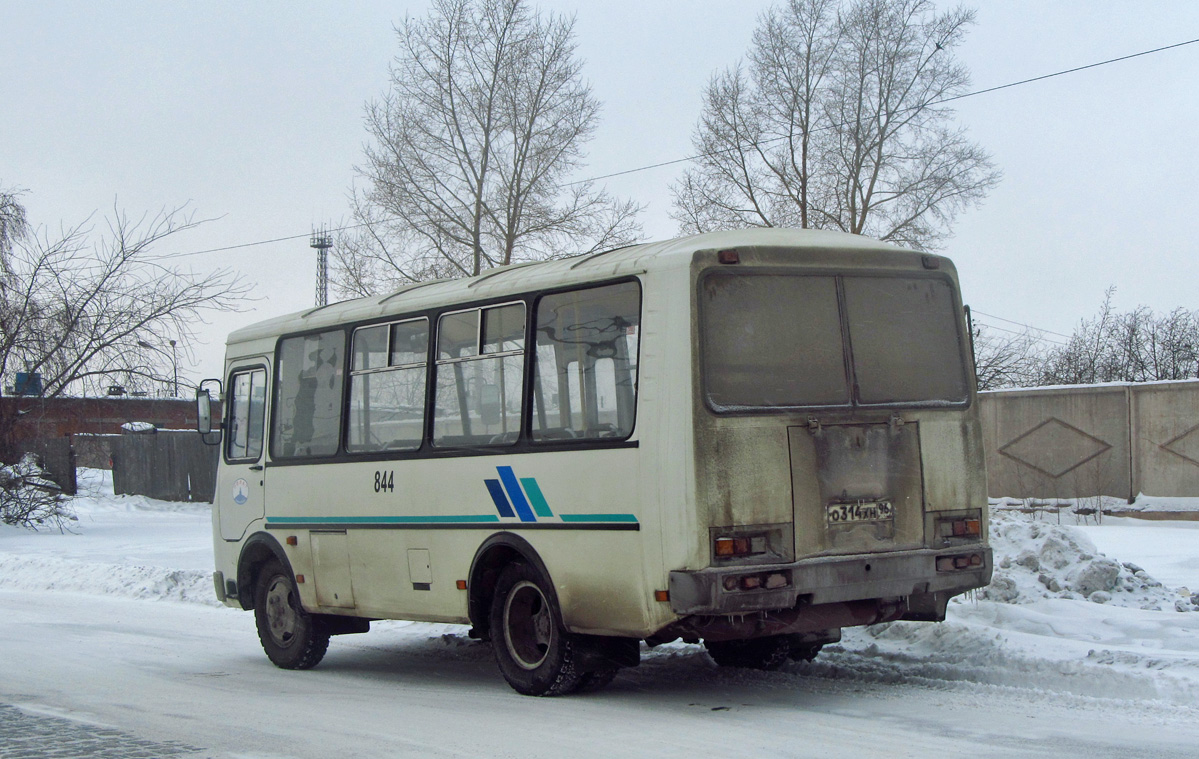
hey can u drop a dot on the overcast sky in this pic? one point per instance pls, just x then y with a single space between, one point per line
252 115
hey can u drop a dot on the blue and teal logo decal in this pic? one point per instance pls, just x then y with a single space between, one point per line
521 498
517 498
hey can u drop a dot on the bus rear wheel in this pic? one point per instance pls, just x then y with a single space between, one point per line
534 651
291 637
767 653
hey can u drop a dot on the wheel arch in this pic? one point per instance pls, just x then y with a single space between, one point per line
258 549
492 556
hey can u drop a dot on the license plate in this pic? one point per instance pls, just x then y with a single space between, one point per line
860 511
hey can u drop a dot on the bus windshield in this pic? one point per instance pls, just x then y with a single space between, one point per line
777 341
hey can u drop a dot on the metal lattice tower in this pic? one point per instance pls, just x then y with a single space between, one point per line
321 241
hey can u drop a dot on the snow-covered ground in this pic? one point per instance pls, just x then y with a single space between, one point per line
1087 644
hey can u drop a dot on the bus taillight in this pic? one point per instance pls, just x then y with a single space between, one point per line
958 563
970 527
757 581
727 547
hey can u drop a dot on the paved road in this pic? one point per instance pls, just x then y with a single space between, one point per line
91 676
34 736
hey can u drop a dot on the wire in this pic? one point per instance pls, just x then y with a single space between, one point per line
1042 338
1018 324
1064 72
262 242
687 159
935 102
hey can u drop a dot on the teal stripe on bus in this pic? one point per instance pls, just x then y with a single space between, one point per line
451 519
597 517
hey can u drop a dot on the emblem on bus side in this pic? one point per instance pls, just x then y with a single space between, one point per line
527 501
241 491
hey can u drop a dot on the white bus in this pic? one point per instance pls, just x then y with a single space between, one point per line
751 439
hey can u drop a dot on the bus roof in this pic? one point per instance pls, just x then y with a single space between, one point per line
523 277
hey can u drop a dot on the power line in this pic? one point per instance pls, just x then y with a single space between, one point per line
935 102
1065 71
260 242
1019 324
1042 338
690 158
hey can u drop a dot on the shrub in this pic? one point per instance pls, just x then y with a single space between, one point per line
28 498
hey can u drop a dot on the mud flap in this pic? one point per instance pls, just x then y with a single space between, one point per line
927 607
595 652
338 624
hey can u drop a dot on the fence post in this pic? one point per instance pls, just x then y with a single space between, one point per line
1133 474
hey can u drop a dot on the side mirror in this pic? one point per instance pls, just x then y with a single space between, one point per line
204 421
203 411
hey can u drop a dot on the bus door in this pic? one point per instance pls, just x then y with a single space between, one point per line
240 495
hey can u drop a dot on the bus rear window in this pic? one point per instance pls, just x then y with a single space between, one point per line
904 334
792 341
773 341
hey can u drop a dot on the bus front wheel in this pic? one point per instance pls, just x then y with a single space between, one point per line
291 637
534 651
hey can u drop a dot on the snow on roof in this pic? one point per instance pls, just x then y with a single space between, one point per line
522 277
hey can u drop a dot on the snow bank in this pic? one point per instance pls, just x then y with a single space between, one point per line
148 583
1156 503
1036 560
1058 616
126 546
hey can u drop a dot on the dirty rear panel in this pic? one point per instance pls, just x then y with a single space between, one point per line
860 487
832 437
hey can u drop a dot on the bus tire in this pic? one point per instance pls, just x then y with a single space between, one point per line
534 651
597 679
766 653
291 637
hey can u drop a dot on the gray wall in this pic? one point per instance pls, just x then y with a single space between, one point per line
1117 440
169 466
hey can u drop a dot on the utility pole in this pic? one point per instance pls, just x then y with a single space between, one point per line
175 369
321 241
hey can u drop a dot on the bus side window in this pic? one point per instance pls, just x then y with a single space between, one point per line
307 419
247 402
387 387
585 385
480 376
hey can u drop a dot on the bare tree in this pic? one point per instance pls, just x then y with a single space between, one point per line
838 120
1137 346
84 311
29 498
472 148
1173 349
1085 358
13 226
1006 359
374 254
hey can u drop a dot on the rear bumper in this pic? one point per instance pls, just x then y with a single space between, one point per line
828 580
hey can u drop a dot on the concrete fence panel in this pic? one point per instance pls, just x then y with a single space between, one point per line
1076 442
1056 442
1165 420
